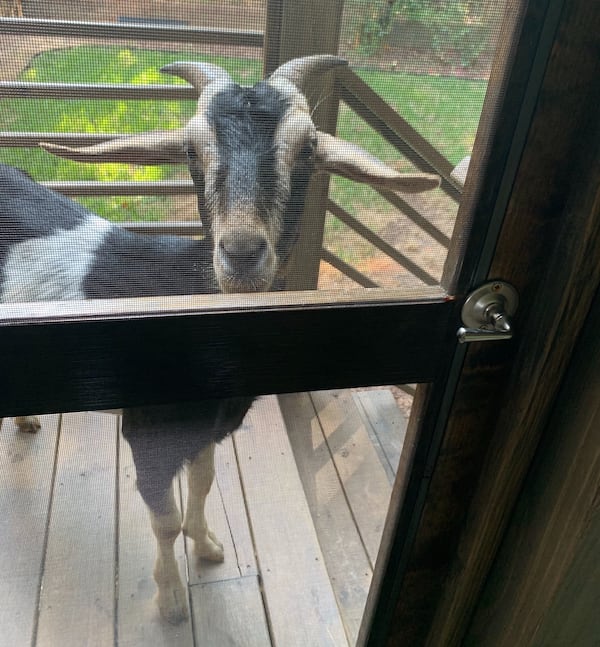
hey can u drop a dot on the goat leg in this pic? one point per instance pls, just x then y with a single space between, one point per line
200 474
29 424
172 595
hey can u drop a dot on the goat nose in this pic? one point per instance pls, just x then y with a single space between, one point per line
243 251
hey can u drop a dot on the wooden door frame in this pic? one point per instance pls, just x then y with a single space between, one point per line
542 590
443 546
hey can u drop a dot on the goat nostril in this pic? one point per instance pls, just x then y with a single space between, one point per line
243 252
261 248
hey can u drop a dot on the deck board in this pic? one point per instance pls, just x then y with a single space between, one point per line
230 613
300 602
363 477
77 597
26 471
298 500
343 550
386 426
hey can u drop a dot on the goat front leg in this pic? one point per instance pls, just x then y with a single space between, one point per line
172 595
200 474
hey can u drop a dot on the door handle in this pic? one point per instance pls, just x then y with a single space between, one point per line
487 311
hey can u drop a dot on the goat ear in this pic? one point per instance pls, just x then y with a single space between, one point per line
154 147
350 161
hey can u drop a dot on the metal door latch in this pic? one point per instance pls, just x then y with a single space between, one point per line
487 311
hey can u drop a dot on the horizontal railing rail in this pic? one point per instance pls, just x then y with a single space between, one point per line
28 27
109 91
32 139
162 227
93 188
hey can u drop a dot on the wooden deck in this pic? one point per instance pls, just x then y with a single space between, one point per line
299 502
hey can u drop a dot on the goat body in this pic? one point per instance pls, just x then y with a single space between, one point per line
51 248
251 152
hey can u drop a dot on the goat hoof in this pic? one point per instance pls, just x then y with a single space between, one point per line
28 424
172 605
210 548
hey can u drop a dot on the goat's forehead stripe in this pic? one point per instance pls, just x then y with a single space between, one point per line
242 174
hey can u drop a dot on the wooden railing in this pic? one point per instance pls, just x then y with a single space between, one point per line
369 106
28 27
356 94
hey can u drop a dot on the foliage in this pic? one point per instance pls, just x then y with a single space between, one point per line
371 23
447 27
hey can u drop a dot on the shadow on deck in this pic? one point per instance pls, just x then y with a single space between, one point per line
299 502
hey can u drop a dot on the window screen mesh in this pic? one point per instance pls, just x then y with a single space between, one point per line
302 490
428 60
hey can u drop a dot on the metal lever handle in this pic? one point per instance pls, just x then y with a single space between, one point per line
477 334
486 313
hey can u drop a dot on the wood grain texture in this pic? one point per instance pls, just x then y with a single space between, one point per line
543 588
548 248
386 428
26 473
230 613
299 599
312 27
344 553
92 364
362 475
550 240
77 600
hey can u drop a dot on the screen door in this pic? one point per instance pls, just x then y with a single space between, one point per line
360 312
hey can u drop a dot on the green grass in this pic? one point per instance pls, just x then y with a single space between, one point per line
445 111
104 65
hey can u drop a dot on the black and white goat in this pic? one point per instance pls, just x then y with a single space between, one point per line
251 152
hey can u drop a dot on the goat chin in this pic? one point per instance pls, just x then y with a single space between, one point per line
230 284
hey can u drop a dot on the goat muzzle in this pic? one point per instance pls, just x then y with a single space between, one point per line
244 262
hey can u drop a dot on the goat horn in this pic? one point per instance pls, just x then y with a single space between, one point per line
198 74
153 147
298 69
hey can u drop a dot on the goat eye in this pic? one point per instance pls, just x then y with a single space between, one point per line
307 151
190 151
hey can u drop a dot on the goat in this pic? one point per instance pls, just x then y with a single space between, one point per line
250 152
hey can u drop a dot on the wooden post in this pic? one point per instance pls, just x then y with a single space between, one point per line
300 28
11 8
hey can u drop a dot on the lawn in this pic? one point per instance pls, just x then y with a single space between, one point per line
444 110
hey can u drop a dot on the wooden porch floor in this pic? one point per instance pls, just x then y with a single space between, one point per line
299 502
